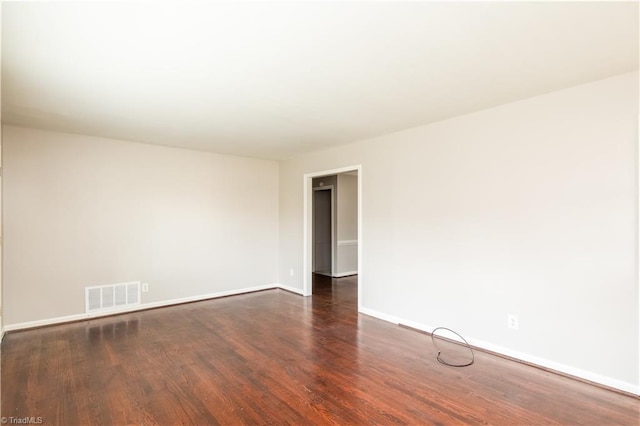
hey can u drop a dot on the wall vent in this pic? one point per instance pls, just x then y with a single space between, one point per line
111 297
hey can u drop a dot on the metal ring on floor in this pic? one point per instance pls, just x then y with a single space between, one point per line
442 361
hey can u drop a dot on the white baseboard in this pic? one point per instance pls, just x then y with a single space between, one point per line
530 359
143 306
336 275
291 289
556 366
345 274
379 315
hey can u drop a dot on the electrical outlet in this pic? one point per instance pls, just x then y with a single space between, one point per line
512 321
145 287
291 271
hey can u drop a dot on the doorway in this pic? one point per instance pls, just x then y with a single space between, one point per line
310 263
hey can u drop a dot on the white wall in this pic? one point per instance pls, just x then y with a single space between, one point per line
528 208
347 225
82 211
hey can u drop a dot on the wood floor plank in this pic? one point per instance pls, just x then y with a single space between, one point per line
276 358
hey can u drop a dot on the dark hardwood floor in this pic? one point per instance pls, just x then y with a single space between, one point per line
277 358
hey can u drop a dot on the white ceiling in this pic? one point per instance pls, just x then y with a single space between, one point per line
276 79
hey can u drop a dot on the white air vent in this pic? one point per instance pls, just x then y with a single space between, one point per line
112 297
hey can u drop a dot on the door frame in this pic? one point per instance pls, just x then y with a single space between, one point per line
329 188
307 231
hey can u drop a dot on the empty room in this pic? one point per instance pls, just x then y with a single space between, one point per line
309 213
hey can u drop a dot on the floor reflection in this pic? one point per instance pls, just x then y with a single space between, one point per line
334 308
112 330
